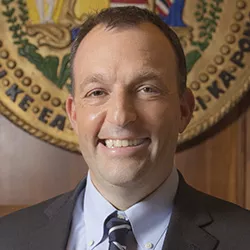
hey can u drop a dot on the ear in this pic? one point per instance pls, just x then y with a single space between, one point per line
71 111
187 107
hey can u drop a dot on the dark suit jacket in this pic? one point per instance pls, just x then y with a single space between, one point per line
198 221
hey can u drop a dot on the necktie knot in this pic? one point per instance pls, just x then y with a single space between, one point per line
117 231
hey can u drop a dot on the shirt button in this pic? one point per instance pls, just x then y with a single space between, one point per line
149 245
121 216
91 243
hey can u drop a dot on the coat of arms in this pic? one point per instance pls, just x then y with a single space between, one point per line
35 39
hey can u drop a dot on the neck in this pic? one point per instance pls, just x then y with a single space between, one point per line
123 197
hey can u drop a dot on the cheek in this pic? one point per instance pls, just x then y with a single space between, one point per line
165 135
89 121
162 118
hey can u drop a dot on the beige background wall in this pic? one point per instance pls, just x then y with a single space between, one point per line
32 170
217 163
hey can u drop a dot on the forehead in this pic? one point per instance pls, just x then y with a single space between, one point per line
130 48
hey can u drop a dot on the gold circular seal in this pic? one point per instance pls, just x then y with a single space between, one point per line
35 39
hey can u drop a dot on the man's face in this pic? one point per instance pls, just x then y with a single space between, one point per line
127 111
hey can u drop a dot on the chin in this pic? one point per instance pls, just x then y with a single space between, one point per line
125 175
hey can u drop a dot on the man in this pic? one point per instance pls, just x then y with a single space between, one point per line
129 102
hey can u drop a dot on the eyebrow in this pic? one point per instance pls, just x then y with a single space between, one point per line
95 78
147 75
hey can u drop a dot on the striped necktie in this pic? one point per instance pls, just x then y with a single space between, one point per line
117 232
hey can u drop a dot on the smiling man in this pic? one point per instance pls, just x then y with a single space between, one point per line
129 102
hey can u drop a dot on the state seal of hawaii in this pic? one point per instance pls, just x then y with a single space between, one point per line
35 39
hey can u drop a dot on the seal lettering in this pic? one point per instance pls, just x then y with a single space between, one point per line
215 90
46 113
226 78
58 122
25 103
3 73
244 46
201 102
13 91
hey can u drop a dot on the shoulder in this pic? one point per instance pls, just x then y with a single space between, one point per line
205 219
194 199
40 220
19 222
220 208
228 219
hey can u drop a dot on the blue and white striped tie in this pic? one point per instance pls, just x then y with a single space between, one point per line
117 232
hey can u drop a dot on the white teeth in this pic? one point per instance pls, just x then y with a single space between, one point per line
122 143
109 143
117 143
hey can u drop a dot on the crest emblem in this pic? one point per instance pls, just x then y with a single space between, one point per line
35 38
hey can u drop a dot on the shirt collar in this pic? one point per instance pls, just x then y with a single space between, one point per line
96 209
149 218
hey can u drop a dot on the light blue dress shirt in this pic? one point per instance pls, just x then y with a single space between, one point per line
149 218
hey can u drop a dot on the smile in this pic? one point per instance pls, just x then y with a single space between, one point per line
123 143
111 143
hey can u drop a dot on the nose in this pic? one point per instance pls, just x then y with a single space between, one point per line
121 110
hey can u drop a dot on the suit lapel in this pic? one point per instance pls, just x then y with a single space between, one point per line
187 225
54 230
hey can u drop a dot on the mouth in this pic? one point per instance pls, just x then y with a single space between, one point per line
123 143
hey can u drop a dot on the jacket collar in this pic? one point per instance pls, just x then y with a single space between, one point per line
187 228
54 230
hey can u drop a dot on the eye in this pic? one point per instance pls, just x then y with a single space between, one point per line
96 93
149 90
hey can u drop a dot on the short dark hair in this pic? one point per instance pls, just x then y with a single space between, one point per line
125 17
